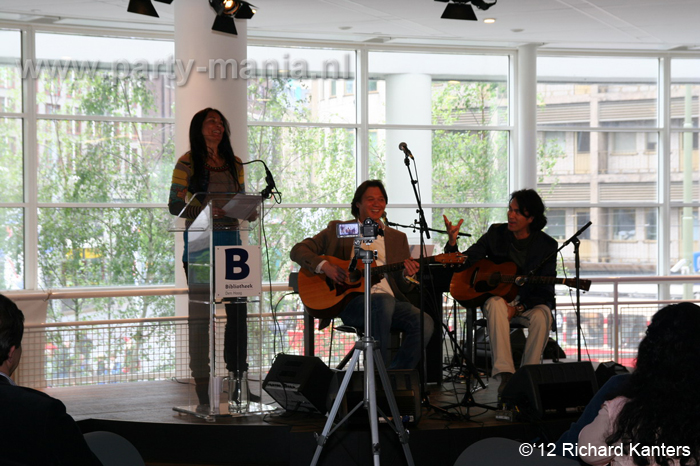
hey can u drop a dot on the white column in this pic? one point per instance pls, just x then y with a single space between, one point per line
199 85
408 102
525 161
196 48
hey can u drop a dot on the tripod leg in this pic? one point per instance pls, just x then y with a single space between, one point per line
321 439
371 400
395 414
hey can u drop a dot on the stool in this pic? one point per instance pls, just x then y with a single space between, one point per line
394 344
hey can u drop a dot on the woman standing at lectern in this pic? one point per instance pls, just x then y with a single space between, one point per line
210 166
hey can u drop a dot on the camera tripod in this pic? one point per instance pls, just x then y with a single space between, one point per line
372 356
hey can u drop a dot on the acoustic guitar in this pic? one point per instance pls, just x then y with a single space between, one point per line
325 299
484 279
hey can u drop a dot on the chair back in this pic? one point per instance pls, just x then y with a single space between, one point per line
113 450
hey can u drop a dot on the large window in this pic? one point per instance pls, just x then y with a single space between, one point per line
11 164
305 125
99 137
86 158
463 159
599 139
104 158
684 159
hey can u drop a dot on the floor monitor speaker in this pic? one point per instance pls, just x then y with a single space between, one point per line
550 390
299 383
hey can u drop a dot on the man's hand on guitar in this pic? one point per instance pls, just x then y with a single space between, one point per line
452 230
335 273
411 267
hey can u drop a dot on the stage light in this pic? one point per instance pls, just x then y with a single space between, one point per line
482 5
460 9
142 7
145 7
224 23
227 10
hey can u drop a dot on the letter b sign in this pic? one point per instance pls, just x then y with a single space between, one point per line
236 264
237 271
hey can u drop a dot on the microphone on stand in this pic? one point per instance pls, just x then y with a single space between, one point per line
269 180
403 147
576 235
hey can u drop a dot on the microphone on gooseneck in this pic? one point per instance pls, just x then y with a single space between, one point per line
269 180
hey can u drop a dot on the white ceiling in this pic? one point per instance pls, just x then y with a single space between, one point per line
597 24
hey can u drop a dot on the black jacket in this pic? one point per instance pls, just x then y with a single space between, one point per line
36 430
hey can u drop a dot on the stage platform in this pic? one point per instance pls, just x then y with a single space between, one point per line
143 413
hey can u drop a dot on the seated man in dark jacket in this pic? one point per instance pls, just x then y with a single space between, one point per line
35 428
523 242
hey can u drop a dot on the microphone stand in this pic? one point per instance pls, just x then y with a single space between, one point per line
577 267
414 226
465 360
423 230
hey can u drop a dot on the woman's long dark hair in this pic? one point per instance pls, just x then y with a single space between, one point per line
199 151
664 406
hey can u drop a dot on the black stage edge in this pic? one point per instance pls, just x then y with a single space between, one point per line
274 443
201 443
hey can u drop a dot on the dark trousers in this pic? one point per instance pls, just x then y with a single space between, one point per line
235 337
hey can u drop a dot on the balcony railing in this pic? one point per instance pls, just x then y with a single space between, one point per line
614 315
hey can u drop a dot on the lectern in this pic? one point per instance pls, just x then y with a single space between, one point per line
223 258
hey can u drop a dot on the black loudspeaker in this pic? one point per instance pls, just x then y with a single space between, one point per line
299 383
404 383
550 390
607 370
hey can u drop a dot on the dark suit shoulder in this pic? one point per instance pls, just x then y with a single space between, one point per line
34 399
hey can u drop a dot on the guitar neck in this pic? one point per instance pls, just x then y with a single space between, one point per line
382 269
539 280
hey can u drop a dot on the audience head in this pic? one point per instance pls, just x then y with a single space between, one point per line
531 205
663 405
11 327
672 340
